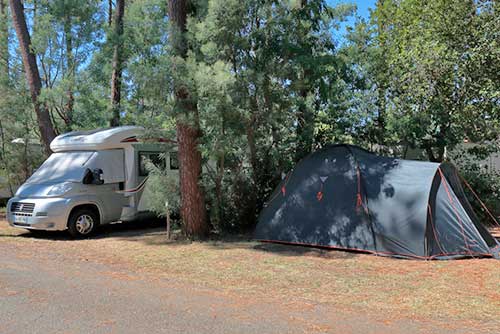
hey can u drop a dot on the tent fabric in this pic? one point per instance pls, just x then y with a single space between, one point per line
345 197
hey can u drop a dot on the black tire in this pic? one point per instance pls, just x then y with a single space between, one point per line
79 220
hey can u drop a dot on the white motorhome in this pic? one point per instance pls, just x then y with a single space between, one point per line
92 178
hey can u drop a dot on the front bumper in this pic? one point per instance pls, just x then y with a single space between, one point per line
49 214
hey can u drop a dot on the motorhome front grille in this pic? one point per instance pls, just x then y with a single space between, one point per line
22 207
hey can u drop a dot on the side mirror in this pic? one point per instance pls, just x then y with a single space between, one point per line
93 176
87 177
97 175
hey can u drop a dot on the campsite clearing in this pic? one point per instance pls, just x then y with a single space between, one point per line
439 295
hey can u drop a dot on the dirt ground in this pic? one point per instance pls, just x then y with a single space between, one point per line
262 288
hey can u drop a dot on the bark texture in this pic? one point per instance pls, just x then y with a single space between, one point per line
4 43
193 210
116 76
45 125
110 12
70 64
305 116
192 196
305 127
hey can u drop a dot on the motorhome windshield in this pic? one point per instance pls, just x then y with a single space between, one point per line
63 167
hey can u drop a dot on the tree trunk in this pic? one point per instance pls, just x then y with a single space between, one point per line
305 117
252 147
45 125
4 44
380 132
251 203
110 12
116 76
379 135
70 64
3 158
193 210
192 197
167 216
219 177
433 157
305 127
178 11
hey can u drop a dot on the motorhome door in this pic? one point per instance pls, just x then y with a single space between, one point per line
112 164
145 157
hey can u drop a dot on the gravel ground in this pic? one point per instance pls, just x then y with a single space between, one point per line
50 292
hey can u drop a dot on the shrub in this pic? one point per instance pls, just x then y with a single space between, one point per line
473 163
162 187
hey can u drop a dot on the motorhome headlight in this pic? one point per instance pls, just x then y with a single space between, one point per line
59 189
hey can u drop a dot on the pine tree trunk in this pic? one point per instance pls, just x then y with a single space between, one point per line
305 128
116 76
193 210
192 197
4 44
251 126
45 125
2 158
110 12
305 116
432 156
167 217
70 64
4 80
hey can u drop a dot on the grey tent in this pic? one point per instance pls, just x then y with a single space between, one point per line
345 197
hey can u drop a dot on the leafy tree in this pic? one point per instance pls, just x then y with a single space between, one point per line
484 181
45 124
440 56
265 68
162 194
148 68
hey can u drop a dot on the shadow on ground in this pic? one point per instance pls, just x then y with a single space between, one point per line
153 233
125 230
292 250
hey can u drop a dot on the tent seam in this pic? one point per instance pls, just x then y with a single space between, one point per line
366 197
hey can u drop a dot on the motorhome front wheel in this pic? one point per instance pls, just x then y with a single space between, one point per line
82 223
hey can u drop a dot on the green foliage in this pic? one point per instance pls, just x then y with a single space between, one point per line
20 158
435 69
474 165
162 188
148 75
261 71
64 38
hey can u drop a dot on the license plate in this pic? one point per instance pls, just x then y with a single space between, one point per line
20 219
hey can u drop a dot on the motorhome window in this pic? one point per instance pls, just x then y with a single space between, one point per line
154 157
63 167
174 161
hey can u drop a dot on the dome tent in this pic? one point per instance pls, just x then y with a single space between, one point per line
345 197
